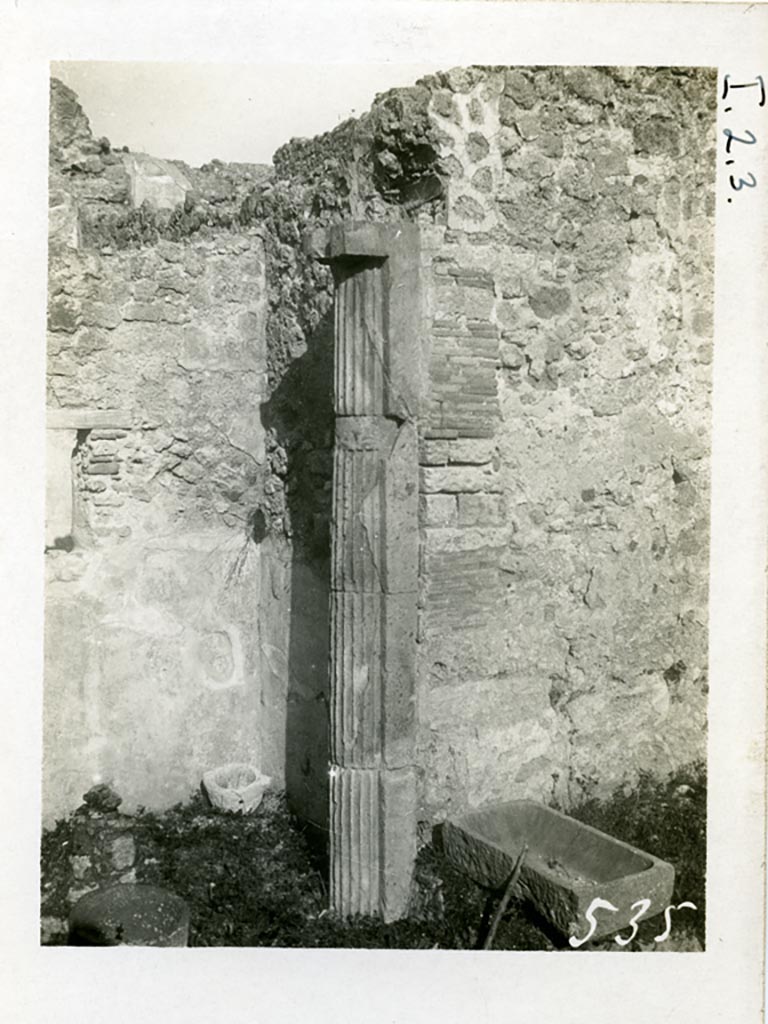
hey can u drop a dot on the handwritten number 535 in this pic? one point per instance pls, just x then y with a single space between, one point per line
600 904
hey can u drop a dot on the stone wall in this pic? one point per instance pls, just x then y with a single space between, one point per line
565 448
566 221
567 217
154 649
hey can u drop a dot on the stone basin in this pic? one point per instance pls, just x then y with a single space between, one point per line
235 787
567 866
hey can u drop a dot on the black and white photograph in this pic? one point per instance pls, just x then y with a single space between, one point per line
377 519
381 469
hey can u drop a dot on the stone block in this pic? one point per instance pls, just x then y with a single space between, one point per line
81 865
566 867
439 434
372 682
454 650
64 314
508 112
477 147
519 88
398 800
482 180
476 110
157 182
102 448
373 841
471 451
468 277
63 226
481 509
508 705
355 851
456 451
466 538
123 852
108 500
102 799
459 79
462 298
548 302
444 104
433 451
589 84
468 214
173 280
146 312
144 291
375 505
459 479
60 445
398 707
101 314
438 510
509 139
112 420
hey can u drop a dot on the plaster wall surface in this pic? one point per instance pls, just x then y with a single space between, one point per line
154 655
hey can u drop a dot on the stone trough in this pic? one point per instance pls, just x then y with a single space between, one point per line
568 865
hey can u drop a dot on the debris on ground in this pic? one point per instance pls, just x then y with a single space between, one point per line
254 880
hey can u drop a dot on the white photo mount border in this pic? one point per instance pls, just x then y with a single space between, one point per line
723 983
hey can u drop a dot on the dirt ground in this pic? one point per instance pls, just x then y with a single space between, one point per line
253 880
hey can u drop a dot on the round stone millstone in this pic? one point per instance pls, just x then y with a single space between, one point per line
129 915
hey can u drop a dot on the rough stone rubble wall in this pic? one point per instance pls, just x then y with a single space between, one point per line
565 434
156 369
567 217
565 448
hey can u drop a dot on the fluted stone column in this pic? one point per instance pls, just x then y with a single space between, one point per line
374 570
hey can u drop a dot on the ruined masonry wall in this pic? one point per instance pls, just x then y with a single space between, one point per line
564 488
364 169
154 657
566 220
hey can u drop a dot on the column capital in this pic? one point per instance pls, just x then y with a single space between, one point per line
361 239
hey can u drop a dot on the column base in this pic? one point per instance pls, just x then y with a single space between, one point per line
373 840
